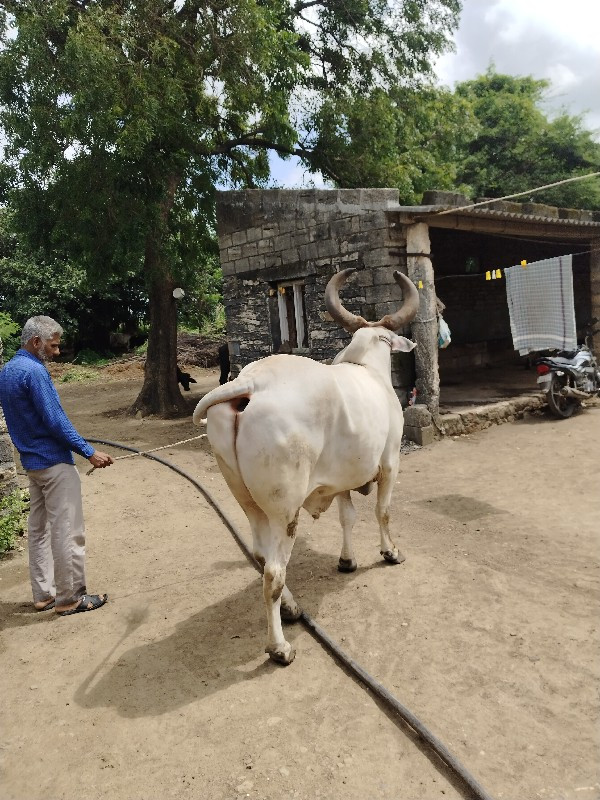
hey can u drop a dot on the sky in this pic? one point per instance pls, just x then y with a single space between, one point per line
558 40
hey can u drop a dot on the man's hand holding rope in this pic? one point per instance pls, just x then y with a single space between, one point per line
106 460
99 460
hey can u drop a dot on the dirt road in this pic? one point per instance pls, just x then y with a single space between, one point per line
488 632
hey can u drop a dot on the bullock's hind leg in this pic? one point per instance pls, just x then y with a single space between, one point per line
276 549
385 486
261 535
263 541
347 515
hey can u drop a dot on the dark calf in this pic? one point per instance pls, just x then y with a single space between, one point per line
224 363
184 378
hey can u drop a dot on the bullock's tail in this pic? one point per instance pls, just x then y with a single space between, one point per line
240 387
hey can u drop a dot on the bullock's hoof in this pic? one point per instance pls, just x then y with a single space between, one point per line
347 565
393 556
281 655
290 613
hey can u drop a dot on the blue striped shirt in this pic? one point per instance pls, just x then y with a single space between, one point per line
36 421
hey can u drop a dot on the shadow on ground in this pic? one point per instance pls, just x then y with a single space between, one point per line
208 652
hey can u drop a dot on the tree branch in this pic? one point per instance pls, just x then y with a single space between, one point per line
244 168
301 6
259 143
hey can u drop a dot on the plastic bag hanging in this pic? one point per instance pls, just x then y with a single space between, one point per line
444 338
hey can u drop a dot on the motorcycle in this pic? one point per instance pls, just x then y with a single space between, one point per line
570 376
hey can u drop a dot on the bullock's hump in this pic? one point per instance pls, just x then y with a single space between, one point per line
281 371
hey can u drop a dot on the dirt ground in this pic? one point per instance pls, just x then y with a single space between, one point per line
488 632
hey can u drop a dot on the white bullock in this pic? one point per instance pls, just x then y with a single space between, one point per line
291 433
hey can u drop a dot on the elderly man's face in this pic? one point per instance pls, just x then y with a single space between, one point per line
47 349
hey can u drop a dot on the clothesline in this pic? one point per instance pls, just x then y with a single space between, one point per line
489 272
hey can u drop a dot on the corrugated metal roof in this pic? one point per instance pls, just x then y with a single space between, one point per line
488 213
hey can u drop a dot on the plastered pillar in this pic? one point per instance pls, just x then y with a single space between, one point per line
595 283
425 325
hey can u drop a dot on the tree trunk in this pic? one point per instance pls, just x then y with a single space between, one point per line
160 393
8 471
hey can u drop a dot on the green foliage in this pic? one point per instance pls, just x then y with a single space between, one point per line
516 147
13 518
8 336
87 357
7 326
121 118
407 138
203 287
38 282
214 325
487 139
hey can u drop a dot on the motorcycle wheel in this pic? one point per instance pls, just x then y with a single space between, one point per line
561 406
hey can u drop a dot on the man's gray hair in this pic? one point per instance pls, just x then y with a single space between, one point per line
44 327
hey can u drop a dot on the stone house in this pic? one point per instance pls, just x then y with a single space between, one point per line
279 248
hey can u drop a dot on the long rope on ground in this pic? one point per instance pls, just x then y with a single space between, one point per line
452 764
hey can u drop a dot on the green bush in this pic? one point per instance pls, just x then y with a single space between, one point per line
214 325
9 334
13 518
91 358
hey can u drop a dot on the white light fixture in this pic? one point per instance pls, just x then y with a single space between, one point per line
178 293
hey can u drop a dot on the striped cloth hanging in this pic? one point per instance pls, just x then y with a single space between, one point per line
541 305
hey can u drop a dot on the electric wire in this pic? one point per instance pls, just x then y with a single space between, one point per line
477 792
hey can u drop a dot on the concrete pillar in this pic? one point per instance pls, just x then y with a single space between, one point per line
595 281
425 325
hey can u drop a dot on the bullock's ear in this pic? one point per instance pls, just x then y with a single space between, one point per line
401 345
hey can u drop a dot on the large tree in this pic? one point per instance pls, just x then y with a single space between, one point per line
122 117
517 147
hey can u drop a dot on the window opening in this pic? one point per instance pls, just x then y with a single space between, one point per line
292 314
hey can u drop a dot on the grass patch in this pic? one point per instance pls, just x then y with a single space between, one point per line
79 375
13 518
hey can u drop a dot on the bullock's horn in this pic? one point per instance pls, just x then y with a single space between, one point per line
351 322
407 311
348 321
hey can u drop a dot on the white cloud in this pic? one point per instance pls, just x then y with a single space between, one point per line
563 78
549 39
575 21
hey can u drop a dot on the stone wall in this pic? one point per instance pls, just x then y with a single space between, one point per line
8 472
269 237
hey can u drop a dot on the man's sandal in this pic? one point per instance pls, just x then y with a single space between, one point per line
50 604
89 602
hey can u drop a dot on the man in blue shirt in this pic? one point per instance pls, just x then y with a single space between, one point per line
46 439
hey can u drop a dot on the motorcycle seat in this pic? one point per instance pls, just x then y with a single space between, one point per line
568 354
